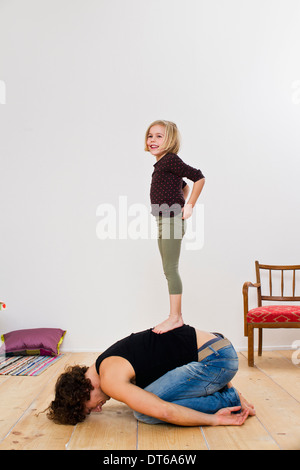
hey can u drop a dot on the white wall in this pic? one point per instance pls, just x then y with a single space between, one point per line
84 78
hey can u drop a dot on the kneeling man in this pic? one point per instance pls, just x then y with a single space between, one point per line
180 377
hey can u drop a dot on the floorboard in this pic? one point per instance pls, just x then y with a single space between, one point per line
164 436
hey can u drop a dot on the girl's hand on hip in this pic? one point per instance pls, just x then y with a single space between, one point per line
187 211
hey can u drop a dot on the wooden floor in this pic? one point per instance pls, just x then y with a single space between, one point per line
273 385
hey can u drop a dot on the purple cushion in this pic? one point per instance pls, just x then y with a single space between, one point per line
38 341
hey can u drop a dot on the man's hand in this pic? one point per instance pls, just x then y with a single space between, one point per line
224 417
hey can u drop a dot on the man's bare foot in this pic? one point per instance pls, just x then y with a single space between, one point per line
170 323
246 405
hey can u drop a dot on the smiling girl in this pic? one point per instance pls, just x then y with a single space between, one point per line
168 196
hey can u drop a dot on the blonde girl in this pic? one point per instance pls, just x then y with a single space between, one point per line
168 196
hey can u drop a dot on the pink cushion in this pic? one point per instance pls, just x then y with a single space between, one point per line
38 341
274 314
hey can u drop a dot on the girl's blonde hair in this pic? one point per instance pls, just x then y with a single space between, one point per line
171 143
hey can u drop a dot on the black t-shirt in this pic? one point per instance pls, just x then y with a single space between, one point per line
152 355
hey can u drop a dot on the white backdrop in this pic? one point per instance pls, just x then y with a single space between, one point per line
83 80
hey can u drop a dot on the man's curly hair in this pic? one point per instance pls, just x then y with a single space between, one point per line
72 390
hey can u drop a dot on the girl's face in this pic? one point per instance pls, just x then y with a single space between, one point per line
155 140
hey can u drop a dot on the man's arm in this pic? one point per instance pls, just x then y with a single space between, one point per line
115 383
149 404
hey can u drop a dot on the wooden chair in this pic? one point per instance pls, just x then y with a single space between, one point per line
271 316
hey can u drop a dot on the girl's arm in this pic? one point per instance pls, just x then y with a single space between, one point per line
196 191
186 191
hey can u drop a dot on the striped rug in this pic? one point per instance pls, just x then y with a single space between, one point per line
26 365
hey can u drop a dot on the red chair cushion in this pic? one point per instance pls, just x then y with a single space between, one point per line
274 314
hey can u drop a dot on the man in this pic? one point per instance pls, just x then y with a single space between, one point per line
180 377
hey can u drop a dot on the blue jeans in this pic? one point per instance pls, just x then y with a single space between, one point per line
201 386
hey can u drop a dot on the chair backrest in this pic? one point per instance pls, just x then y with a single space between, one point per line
289 272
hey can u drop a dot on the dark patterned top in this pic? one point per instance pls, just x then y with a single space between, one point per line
166 193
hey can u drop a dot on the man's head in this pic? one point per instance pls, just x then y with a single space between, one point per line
72 392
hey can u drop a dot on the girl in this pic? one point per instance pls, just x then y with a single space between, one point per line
168 194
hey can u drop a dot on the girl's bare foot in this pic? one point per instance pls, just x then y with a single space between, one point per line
170 323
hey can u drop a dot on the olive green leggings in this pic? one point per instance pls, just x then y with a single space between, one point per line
170 234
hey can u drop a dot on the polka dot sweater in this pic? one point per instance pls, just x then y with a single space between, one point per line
166 193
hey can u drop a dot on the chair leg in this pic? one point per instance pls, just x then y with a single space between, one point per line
250 346
260 337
